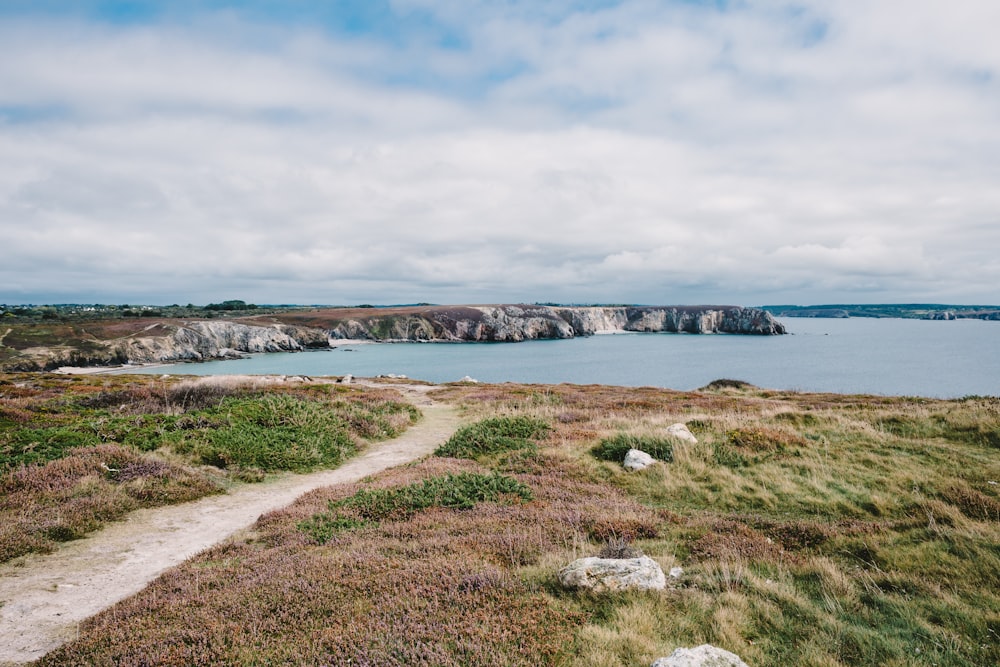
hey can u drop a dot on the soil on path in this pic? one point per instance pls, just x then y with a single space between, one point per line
43 598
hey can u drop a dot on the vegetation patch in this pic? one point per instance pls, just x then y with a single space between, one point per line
77 452
616 447
828 539
270 433
459 491
762 439
41 505
493 436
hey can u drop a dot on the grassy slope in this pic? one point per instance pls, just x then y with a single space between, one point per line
813 530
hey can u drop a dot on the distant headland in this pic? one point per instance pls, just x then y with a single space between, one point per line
921 311
46 338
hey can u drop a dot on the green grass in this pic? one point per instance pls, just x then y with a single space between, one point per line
27 446
267 432
270 433
617 446
459 491
494 436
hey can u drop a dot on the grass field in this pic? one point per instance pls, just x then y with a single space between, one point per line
813 529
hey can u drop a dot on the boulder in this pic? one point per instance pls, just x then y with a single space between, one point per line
705 655
681 432
347 379
613 574
636 459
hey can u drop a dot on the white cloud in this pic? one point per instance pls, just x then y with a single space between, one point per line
643 152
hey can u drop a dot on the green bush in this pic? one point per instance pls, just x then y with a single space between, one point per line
273 432
39 445
460 491
616 447
492 436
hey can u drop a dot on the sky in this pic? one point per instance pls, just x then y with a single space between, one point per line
480 151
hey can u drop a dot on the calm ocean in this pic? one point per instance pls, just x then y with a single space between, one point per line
944 359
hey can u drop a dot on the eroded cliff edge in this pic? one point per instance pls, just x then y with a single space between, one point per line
198 340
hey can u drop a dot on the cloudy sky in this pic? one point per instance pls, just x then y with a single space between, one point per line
394 151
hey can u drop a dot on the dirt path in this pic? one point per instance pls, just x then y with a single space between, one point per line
44 598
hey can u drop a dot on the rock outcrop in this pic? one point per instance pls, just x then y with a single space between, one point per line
705 655
198 341
613 574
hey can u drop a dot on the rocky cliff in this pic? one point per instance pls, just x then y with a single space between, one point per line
513 323
673 319
176 340
198 341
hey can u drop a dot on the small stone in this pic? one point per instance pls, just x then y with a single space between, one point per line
676 572
469 379
705 655
681 432
636 459
613 574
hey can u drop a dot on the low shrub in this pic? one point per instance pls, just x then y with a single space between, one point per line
40 445
65 499
726 383
760 439
456 491
618 548
616 447
492 436
273 432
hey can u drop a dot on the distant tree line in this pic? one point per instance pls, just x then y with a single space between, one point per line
234 304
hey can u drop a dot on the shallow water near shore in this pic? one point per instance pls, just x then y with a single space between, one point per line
943 359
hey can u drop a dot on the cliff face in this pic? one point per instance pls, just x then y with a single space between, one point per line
673 319
177 340
500 324
513 323
197 341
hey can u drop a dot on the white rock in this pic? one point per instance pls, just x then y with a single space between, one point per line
676 572
347 379
636 459
681 432
613 574
705 655
469 379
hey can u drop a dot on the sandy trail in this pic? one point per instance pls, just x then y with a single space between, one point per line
43 598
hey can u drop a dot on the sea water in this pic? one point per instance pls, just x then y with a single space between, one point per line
943 359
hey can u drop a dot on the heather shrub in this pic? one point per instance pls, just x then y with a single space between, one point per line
616 447
494 435
65 499
456 491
